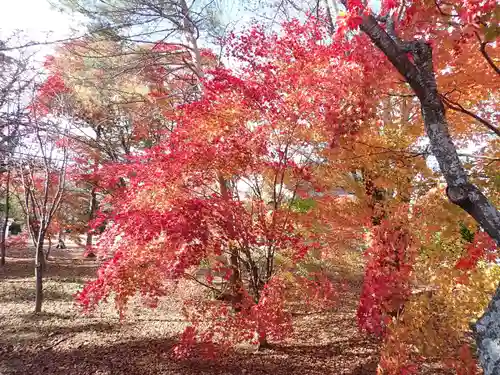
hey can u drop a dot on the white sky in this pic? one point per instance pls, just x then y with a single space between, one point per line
34 20
33 16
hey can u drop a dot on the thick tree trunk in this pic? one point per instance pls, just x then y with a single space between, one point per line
420 76
487 332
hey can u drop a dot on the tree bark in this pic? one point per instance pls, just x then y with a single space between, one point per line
93 195
39 268
3 229
235 280
60 240
92 211
263 343
487 332
189 33
47 254
420 76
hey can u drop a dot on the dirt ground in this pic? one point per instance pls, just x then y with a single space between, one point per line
62 340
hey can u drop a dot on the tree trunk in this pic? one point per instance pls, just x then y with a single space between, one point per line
93 197
47 254
376 198
92 211
5 223
39 268
60 240
487 332
235 281
263 343
420 76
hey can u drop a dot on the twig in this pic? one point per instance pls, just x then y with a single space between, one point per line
58 342
486 157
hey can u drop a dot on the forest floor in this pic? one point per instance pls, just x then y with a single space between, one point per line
62 340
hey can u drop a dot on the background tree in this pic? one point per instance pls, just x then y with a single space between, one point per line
16 84
43 181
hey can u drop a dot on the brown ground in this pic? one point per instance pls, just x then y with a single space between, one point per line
64 341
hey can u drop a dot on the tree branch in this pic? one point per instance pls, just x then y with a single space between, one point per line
459 108
482 49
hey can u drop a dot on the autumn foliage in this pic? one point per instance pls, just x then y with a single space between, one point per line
308 149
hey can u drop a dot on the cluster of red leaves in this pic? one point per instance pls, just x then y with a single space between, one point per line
387 277
152 246
17 242
299 78
483 247
49 90
216 323
470 20
465 363
322 293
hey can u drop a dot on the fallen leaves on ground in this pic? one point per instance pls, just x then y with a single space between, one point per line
62 340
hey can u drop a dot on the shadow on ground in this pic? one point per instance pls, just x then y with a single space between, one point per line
67 271
154 357
61 341
27 294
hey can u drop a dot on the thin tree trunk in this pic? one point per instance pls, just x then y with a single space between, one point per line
235 280
329 15
60 240
189 33
92 211
47 254
39 268
263 343
5 224
93 196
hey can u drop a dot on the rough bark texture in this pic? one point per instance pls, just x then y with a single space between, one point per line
487 331
420 76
